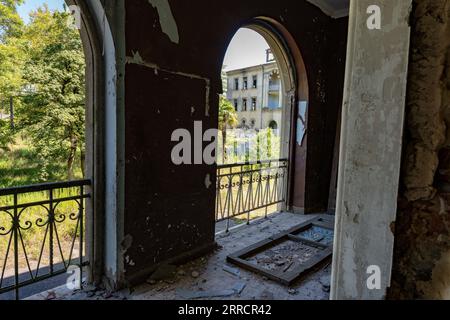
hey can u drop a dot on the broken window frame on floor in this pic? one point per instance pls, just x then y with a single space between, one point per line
285 276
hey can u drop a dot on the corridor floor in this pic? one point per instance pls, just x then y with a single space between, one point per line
211 277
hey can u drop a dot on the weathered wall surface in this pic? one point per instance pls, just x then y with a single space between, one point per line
174 55
422 236
369 168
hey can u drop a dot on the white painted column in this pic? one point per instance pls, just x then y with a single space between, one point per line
372 127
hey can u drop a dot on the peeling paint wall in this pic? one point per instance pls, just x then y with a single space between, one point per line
172 79
422 243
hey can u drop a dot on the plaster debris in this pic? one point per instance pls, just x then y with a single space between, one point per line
231 270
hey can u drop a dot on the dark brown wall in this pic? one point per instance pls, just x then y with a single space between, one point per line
327 83
168 209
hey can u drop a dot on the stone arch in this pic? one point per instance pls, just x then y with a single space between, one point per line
101 135
294 78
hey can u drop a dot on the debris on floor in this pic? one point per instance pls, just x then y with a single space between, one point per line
211 277
290 254
190 295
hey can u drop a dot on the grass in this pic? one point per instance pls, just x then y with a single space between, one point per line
18 167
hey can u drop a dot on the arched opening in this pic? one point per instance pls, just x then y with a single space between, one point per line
254 175
61 114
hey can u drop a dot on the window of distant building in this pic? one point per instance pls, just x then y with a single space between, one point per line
255 82
253 104
244 104
236 84
236 104
252 123
245 84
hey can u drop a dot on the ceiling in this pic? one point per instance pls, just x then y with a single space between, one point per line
333 8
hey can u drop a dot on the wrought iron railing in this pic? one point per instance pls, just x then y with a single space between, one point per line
41 232
244 188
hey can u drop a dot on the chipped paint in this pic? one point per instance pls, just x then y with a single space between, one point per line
208 182
137 59
166 19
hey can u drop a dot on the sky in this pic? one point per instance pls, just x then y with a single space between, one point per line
247 48
31 5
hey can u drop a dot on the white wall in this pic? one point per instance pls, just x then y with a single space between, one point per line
371 142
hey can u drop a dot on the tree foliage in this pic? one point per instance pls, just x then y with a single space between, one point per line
53 112
42 67
10 22
227 119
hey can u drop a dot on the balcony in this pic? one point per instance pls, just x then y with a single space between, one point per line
249 199
41 234
211 277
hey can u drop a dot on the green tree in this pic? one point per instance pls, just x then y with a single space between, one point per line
10 22
227 118
11 62
53 113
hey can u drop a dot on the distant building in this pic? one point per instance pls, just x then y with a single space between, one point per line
255 93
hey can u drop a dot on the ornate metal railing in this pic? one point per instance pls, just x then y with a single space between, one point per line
244 188
41 232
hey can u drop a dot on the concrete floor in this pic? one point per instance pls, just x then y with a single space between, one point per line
211 277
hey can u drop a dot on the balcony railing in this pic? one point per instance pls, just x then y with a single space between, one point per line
274 88
247 188
41 232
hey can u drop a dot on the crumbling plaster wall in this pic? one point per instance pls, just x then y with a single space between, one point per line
422 232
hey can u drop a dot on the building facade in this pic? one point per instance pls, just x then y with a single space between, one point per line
255 93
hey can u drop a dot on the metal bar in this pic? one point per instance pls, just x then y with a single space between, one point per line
51 216
16 248
250 163
47 226
40 203
263 188
81 212
44 187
